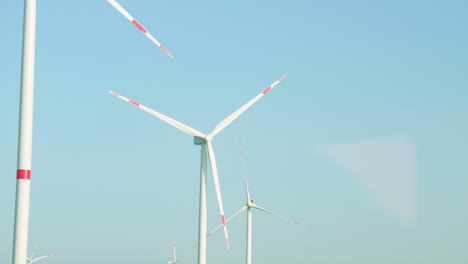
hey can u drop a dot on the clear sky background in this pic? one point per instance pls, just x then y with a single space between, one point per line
112 184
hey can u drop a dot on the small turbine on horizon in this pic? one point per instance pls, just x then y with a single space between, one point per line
174 254
31 260
250 205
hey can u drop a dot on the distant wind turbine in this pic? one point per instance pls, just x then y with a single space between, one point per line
174 253
31 260
250 206
204 140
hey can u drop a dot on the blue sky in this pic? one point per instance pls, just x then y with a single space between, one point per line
111 183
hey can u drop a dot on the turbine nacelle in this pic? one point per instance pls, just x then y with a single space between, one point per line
199 140
202 140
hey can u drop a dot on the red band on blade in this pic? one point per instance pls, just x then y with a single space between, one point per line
23 174
134 103
223 219
228 243
165 50
140 27
280 79
114 93
195 245
266 90
209 234
296 222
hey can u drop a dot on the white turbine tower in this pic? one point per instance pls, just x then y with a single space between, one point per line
249 206
23 173
31 260
204 140
138 25
174 254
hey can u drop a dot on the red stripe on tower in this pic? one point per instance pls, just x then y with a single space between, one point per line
223 219
23 174
266 90
140 27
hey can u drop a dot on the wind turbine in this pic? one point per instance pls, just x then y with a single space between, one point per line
138 25
250 205
31 260
204 140
174 253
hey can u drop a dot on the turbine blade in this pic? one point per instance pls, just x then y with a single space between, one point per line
214 172
32 254
245 174
228 120
221 225
285 218
138 25
176 124
43 257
